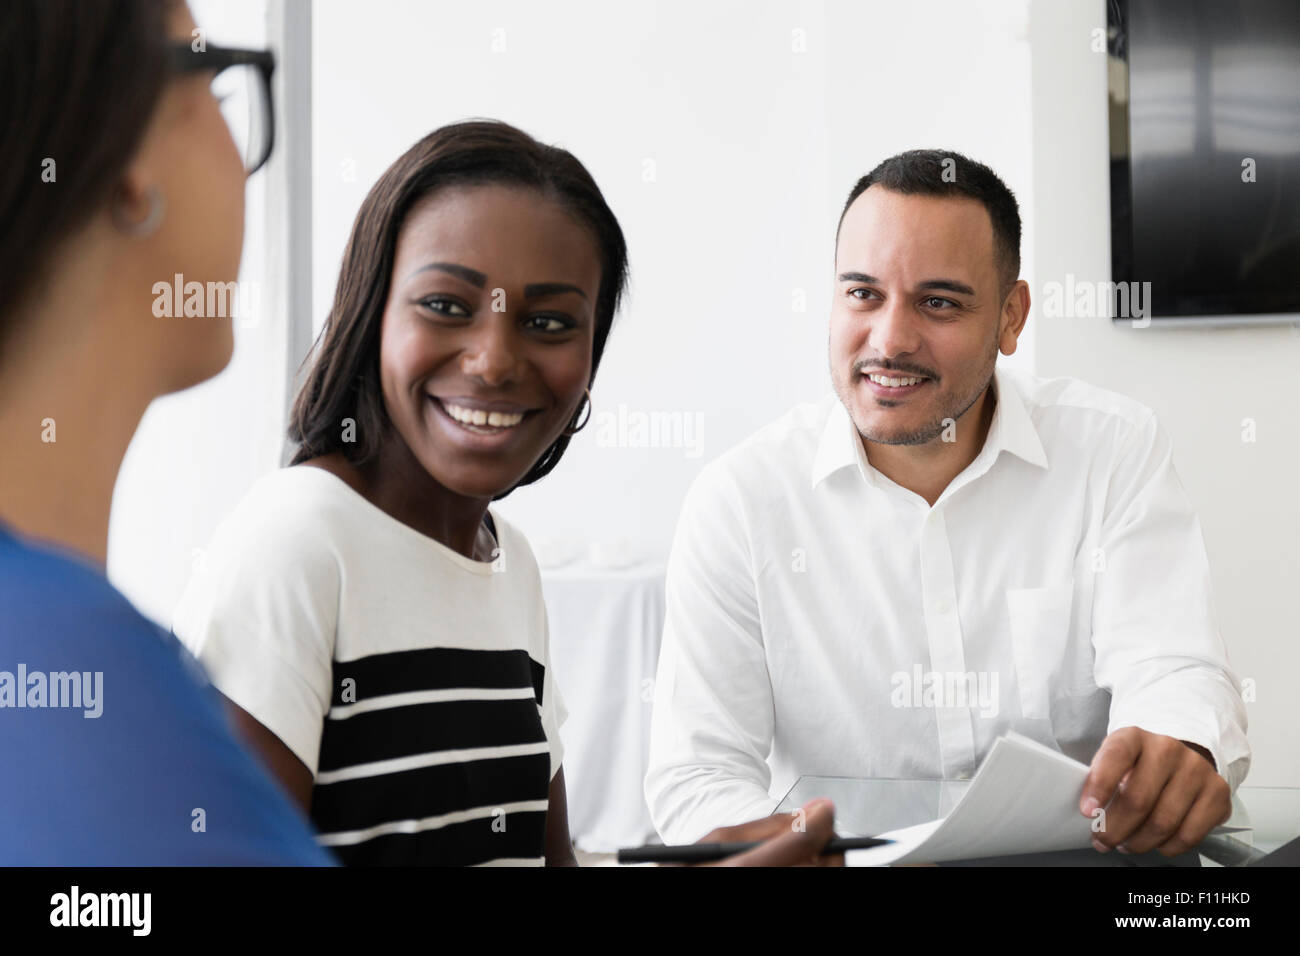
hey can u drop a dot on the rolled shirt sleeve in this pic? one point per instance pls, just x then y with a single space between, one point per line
1156 641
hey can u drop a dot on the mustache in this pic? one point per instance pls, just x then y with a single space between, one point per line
860 367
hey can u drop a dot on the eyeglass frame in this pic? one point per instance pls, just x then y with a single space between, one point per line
185 59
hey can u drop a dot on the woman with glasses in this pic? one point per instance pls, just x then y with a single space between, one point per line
119 172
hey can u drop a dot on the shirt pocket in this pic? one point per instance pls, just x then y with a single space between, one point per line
1039 621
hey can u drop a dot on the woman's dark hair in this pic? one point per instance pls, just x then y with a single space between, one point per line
943 172
343 381
80 82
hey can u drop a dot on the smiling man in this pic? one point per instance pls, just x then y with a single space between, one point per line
942 519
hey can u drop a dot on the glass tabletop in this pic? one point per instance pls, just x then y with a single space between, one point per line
870 806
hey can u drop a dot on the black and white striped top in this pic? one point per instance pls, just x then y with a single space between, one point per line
413 681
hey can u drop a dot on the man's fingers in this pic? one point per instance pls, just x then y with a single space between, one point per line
1114 757
1212 807
761 829
796 846
1142 789
1168 814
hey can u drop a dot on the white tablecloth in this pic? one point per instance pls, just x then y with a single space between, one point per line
605 631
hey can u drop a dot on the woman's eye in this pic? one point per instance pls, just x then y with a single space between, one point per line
449 307
549 323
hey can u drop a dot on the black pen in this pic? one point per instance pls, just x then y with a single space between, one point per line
712 852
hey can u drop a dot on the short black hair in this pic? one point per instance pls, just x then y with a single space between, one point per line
944 172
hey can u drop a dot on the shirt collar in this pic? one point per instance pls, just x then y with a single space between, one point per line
839 447
1011 430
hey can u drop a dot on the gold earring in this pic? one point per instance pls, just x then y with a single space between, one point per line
572 429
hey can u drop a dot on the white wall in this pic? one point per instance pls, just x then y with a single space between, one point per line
196 452
1201 382
754 147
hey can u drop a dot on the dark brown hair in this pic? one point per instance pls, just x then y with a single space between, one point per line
344 378
81 81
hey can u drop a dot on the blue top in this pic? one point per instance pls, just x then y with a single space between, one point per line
114 750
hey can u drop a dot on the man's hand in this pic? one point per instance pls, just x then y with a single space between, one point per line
1167 794
789 839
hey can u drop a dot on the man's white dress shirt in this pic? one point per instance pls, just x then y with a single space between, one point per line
822 619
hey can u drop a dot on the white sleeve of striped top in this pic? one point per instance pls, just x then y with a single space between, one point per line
260 615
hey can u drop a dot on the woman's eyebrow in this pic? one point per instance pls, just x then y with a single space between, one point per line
472 276
536 290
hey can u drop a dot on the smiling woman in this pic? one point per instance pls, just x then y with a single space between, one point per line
526 177
510 335
379 633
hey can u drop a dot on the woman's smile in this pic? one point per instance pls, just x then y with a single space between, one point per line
480 425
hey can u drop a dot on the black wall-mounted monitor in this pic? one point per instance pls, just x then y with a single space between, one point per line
1205 158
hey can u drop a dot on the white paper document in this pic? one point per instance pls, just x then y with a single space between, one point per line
1024 799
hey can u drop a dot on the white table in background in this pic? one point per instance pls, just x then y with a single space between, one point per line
606 626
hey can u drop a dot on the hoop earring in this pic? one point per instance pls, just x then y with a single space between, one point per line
143 227
572 429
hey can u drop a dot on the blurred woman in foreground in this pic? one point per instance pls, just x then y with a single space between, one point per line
119 171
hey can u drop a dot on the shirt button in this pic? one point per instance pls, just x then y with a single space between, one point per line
943 606
964 775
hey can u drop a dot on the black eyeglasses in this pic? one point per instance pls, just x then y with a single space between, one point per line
242 85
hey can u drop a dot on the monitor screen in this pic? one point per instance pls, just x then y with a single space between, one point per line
1205 155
